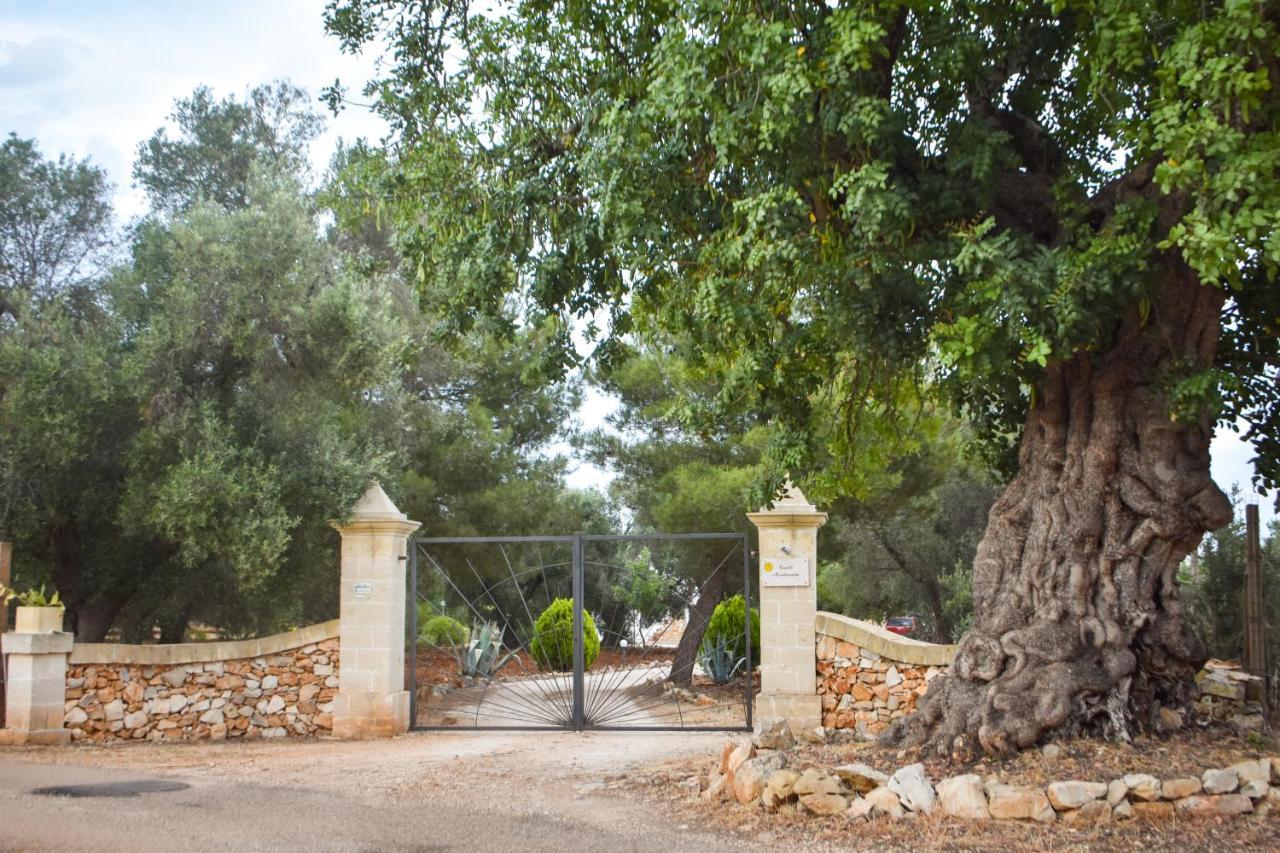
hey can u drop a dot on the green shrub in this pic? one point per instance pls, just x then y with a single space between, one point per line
443 630
724 631
552 646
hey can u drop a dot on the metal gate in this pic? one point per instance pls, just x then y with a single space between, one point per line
580 632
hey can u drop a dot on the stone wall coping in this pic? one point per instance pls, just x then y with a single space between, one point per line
884 643
178 653
15 643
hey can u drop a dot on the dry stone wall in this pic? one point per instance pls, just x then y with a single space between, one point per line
273 687
868 677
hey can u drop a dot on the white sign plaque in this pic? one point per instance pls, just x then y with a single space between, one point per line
784 571
362 589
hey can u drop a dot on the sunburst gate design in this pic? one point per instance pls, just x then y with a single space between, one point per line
484 655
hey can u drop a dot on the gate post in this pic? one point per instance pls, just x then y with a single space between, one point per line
788 535
372 700
36 686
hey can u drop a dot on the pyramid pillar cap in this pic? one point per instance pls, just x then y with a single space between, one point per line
791 510
375 511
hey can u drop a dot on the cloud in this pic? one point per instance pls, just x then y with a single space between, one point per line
41 60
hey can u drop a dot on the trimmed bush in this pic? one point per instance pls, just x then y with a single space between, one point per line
443 630
725 630
552 646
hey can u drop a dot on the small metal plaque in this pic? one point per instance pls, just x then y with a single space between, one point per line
784 571
362 589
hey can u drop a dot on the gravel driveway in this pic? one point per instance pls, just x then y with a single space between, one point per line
426 791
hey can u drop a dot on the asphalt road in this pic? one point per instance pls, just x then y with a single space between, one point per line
423 792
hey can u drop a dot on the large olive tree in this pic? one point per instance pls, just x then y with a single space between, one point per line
1062 216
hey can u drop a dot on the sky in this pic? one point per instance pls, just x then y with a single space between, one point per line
94 78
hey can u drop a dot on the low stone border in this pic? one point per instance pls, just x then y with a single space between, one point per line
754 772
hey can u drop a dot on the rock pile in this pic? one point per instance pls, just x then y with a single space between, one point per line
290 693
1229 694
756 772
862 691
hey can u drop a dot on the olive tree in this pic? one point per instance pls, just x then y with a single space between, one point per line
1059 216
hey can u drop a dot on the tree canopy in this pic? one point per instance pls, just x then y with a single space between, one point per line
840 203
55 223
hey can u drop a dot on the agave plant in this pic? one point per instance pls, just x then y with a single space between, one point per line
719 659
483 650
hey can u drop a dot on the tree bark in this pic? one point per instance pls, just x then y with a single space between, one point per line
1078 624
696 625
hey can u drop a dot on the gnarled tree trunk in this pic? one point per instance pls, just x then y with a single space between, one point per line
1078 625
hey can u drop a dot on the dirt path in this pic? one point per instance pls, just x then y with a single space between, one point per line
429 791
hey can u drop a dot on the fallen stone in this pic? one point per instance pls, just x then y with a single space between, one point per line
1153 810
1074 794
963 797
1117 792
814 735
1177 789
1122 810
1248 722
1230 804
1091 813
824 804
1051 751
749 776
1196 805
1270 804
913 789
782 782
773 733
741 753
1219 781
860 808
725 752
1143 786
1255 789
814 781
778 788
861 777
885 802
1253 771
717 789
1011 802
1226 690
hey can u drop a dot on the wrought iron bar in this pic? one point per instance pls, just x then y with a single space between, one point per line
579 661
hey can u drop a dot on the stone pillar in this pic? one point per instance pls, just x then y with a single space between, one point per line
372 700
788 536
36 686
